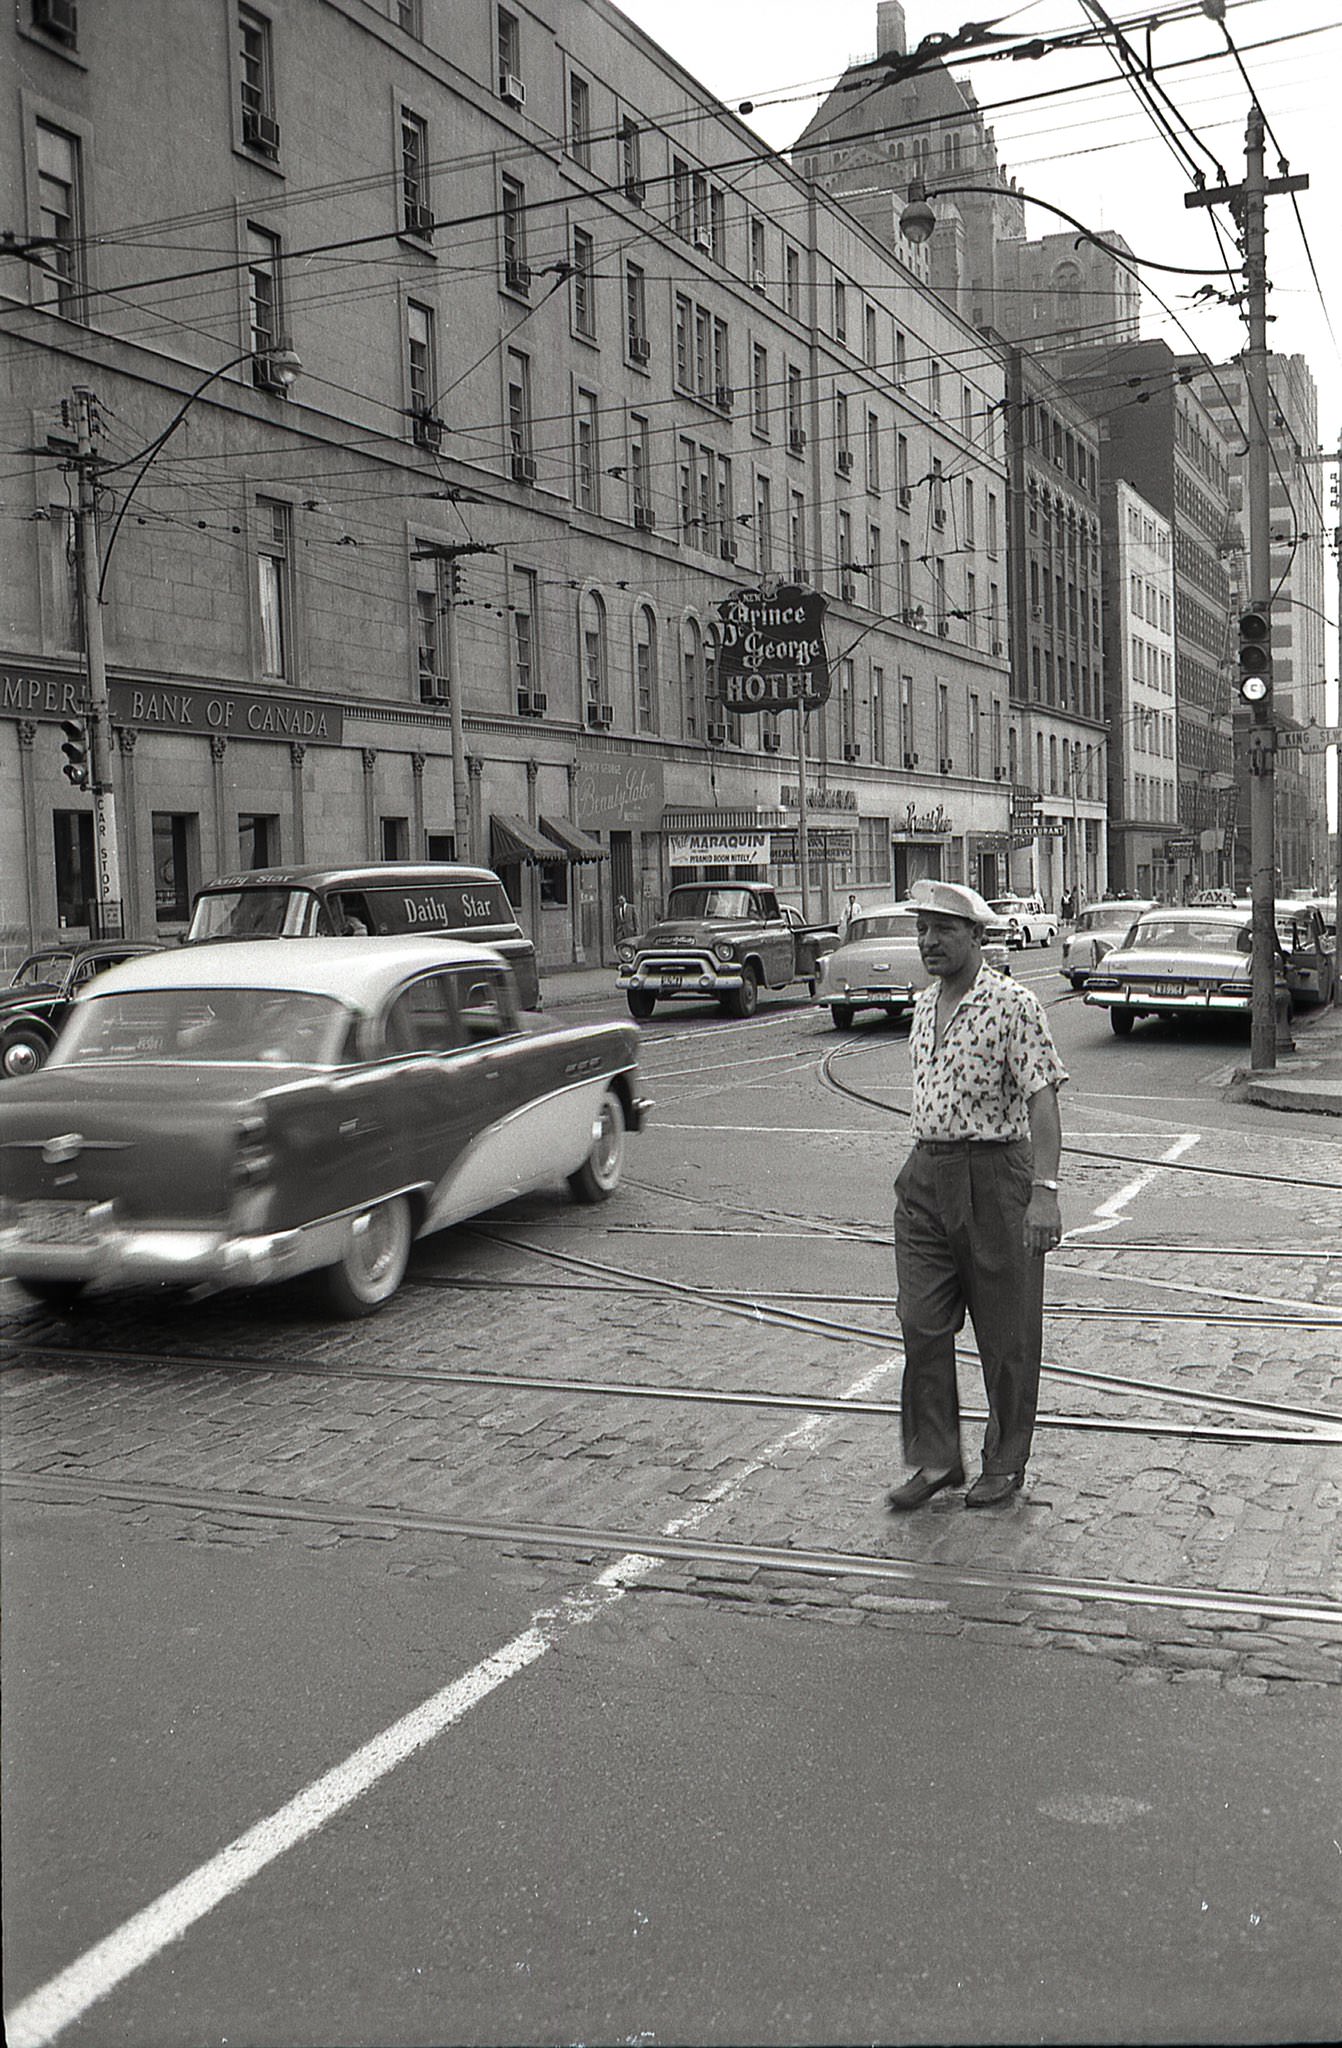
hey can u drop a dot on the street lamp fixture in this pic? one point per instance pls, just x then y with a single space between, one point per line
918 221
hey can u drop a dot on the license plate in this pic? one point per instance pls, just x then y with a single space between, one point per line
672 980
54 1222
1169 988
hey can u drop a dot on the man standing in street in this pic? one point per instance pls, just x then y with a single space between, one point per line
976 1202
626 919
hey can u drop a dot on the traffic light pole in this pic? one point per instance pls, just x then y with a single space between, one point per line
1247 202
107 851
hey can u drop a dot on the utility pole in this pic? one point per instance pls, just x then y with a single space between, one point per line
107 852
1247 203
450 554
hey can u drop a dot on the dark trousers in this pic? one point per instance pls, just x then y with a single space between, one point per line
959 1212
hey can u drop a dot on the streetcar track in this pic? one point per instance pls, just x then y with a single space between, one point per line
1324 1426
798 1559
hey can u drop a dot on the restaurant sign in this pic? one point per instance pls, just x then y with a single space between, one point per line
717 849
772 656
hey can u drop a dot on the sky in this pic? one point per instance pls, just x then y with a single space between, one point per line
1098 154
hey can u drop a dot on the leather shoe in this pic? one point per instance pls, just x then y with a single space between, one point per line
994 1489
916 1492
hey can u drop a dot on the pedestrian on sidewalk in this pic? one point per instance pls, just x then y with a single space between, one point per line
626 919
976 1202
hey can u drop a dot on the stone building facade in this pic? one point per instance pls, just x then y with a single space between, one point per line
579 357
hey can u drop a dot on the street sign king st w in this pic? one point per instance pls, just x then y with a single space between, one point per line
773 650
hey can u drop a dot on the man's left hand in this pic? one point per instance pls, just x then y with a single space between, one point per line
1043 1222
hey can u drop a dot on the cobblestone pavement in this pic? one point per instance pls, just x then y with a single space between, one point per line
251 1407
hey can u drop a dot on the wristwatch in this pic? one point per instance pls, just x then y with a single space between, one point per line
1051 1185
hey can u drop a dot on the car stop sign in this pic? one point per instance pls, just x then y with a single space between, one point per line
772 656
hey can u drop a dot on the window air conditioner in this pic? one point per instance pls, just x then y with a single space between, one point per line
419 219
640 349
760 281
771 742
635 191
724 398
524 469
796 440
512 90
434 689
844 459
947 765
852 751
703 240
943 629
644 518
428 431
517 275
997 647
267 375
717 735
847 590
905 496
728 550
910 760
260 132
605 715
939 517
538 703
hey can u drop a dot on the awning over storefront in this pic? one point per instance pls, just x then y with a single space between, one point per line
512 838
576 844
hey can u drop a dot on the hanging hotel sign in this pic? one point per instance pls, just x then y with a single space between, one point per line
772 656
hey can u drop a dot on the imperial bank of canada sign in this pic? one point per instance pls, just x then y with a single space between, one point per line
772 656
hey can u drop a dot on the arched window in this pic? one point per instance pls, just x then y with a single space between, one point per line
594 656
692 679
646 711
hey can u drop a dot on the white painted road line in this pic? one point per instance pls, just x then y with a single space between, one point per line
57 2004
1110 1212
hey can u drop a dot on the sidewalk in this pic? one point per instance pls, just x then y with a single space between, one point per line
1309 1078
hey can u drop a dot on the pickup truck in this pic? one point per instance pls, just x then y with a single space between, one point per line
722 941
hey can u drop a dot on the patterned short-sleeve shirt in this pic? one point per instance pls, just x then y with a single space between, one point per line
995 1053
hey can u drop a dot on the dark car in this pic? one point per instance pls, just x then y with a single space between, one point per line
34 1006
229 1115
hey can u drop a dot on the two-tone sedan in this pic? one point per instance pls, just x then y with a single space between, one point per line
878 966
1097 930
226 1116
1177 962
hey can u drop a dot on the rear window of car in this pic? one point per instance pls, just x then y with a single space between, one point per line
896 926
203 1026
1210 935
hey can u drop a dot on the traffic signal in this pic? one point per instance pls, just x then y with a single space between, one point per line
75 747
1255 656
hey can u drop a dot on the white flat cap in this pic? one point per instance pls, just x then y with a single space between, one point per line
951 899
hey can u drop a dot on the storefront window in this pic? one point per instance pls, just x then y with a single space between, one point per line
174 845
74 865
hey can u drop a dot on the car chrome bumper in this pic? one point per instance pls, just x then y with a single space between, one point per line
695 979
137 1255
1202 1000
870 994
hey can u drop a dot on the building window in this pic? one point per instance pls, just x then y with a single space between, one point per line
264 314
990 538
579 119
410 18
971 609
174 834
509 44
631 159
874 590
764 525
430 641
640 470
844 565
75 884
796 432
394 837
759 276
416 210
902 470
970 540
975 737
645 669
797 536
256 83
584 296
901 357
596 688
906 750
843 454
513 218
65 618
421 382
636 313
524 630
692 673
792 280
877 722
873 452
586 489
519 405
869 333
59 218
934 383
273 566
944 722
759 389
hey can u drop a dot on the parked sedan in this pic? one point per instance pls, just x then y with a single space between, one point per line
1027 920
225 1116
34 1006
878 965
1098 929
1178 962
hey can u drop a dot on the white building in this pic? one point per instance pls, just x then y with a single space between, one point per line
1139 692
